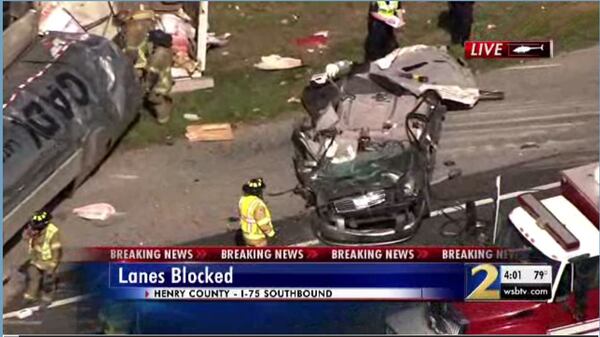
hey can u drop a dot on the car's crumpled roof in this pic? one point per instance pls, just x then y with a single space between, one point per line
444 73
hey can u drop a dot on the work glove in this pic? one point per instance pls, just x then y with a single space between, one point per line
332 70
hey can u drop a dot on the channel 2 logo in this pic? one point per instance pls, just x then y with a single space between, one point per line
482 282
489 282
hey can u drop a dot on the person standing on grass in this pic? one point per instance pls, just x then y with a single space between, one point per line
384 17
461 20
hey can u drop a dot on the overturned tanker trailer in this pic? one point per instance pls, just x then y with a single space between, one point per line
68 98
365 154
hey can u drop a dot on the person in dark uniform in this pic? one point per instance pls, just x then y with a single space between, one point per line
461 20
384 17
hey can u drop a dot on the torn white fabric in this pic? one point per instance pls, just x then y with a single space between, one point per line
467 96
386 61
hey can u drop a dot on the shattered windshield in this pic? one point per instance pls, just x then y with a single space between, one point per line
385 166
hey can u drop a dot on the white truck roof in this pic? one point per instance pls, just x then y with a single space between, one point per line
587 234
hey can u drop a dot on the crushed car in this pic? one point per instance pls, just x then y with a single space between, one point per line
365 154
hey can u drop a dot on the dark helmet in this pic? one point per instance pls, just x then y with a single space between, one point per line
40 220
160 38
254 186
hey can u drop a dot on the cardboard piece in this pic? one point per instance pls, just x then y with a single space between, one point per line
209 132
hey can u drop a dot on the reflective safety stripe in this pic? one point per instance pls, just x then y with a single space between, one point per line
387 8
142 49
165 81
247 206
143 15
51 230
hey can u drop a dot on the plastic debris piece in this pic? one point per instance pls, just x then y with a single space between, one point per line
529 145
491 26
191 117
125 176
293 100
277 62
22 314
215 41
100 211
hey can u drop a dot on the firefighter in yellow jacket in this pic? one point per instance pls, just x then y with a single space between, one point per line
255 217
136 26
158 79
45 254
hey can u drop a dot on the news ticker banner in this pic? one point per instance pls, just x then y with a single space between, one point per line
320 274
301 254
509 49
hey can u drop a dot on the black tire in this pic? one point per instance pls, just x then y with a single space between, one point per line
491 95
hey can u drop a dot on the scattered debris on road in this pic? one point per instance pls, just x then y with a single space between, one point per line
125 176
99 211
529 145
293 99
209 132
277 62
449 163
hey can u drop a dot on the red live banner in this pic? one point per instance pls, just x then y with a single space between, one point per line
301 254
508 49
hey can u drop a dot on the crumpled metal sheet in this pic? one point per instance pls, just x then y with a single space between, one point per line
63 89
445 74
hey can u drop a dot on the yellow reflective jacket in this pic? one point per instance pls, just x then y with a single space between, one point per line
159 63
387 8
251 227
44 250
